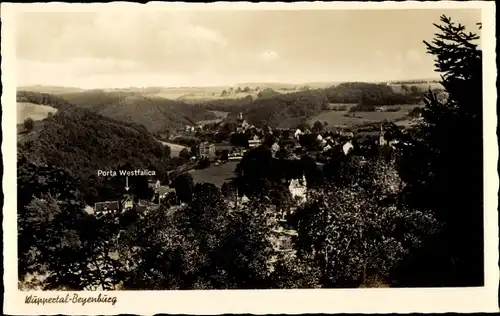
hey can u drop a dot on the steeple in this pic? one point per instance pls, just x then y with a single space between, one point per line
381 139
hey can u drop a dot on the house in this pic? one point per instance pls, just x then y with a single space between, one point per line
297 133
274 148
347 147
127 203
235 156
89 209
144 206
106 208
327 148
206 150
254 142
163 191
321 140
381 137
347 134
244 125
298 189
154 184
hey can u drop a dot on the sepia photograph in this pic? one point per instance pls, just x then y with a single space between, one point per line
241 148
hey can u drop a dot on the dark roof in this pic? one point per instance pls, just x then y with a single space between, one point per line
164 189
143 202
144 206
127 198
110 205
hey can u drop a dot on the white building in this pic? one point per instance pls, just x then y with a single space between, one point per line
347 147
298 132
275 148
254 142
298 189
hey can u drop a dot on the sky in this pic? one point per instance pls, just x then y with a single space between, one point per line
192 48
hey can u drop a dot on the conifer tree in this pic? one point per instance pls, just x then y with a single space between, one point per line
443 166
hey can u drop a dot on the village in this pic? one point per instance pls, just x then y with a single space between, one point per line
288 144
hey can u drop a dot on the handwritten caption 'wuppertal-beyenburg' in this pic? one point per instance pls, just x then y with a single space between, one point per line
128 173
70 299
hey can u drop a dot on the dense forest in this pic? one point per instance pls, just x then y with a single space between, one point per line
289 109
81 142
411 216
371 94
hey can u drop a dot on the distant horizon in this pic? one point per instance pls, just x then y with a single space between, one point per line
238 84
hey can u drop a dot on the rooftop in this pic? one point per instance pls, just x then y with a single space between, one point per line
110 205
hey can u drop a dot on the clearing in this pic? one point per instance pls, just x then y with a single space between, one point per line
34 111
175 149
339 118
220 117
215 174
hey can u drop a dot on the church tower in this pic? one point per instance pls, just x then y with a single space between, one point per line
381 138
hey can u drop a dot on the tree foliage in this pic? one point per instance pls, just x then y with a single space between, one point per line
443 161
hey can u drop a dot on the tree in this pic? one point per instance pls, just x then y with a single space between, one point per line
282 154
317 127
286 134
269 140
28 124
443 166
56 236
184 185
304 126
415 90
184 153
353 238
204 245
203 163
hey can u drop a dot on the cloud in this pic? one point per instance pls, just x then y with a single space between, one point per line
269 55
150 39
413 57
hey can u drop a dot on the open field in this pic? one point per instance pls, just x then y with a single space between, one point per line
338 118
175 149
34 111
220 114
215 174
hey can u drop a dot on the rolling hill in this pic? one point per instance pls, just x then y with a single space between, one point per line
50 89
155 113
82 141
285 109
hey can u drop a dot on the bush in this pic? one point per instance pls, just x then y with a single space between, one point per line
29 124
203 163
362 108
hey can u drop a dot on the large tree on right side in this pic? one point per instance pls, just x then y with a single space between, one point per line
443 163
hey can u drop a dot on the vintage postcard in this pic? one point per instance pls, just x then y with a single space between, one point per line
252 158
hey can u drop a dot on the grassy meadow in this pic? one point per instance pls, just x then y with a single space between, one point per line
215 174
346 118
36 112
